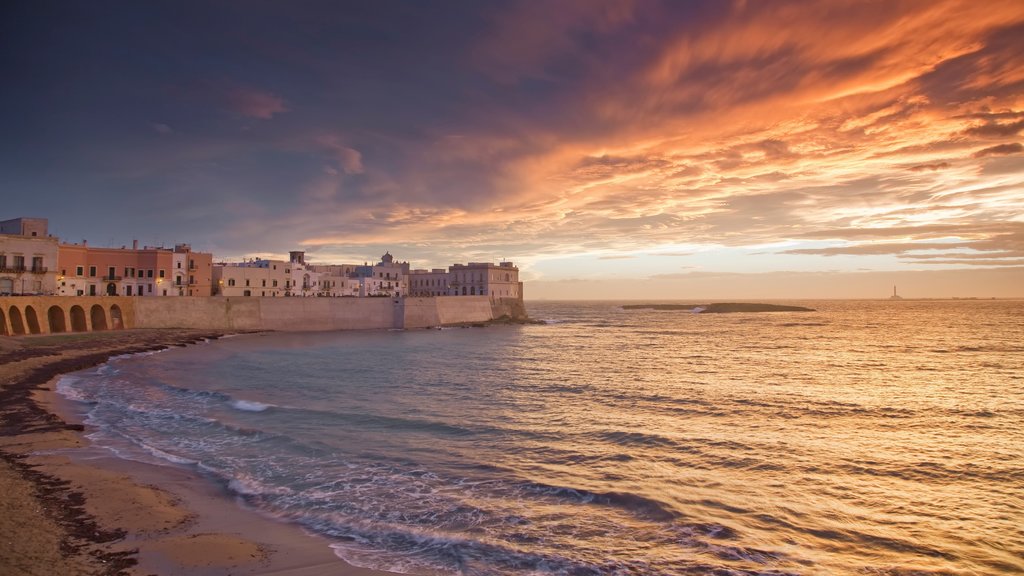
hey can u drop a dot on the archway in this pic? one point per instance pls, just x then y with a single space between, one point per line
78 319
32 320
55 316
17 326
99 317
111 289
116 321
3 323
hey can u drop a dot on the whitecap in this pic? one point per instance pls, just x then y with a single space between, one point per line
250 406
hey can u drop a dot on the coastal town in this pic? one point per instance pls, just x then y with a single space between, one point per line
34 262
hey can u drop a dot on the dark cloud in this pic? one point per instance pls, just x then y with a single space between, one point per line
999 150
996 129
932 167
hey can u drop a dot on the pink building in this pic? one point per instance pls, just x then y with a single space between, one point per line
85 270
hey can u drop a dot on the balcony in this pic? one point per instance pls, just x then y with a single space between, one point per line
112 278
23 269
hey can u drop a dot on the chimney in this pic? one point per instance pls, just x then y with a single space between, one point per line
135 244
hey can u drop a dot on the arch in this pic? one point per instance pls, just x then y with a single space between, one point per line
3 323
78 319
99 317
32 320
111 289
17 325
116 320
55 317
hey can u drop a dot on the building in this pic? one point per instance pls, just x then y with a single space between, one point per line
259 277
28 257
85 270
435 282
473 279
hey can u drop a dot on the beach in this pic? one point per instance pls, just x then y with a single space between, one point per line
69 508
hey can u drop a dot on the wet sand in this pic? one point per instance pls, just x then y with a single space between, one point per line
69 508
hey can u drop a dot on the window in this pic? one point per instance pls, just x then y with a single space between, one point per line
264 283
79 270
247 293
92 289
161 272
191 264
231 281
150 288
149 273
111 273
19 262
92 271
275 283
246 283
37 263
179 265
3 261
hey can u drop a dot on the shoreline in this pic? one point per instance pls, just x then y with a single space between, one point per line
71 508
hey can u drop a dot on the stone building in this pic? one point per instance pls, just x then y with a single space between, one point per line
473 279
28 257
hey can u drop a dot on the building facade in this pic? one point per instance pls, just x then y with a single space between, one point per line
473 279
85 270
259 277
28 257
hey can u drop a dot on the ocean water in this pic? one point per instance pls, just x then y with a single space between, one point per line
867 437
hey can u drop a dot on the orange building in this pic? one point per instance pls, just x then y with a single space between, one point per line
85 270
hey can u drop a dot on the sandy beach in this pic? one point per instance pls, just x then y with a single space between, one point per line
69 508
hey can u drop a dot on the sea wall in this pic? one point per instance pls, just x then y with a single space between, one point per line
53 314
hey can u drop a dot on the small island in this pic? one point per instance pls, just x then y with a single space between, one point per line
720 307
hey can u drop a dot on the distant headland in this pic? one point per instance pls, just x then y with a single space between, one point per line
720 308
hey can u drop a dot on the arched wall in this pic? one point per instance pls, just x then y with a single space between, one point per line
24 315
116 318
78 323
99 317
55 319
32 319
17 322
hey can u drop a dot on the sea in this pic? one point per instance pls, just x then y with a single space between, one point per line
864 437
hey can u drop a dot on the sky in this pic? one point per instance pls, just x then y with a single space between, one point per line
610 148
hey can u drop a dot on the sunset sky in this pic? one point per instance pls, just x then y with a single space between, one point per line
612 149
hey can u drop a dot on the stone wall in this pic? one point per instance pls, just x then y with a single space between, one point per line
51 314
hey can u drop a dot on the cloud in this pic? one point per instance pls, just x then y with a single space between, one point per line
996 129
930 167
999 150
254 103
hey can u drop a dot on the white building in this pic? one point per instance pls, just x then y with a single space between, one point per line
262 278
28 257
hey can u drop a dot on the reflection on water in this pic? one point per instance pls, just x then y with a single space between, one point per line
865 437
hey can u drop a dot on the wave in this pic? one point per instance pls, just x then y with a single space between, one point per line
250 406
